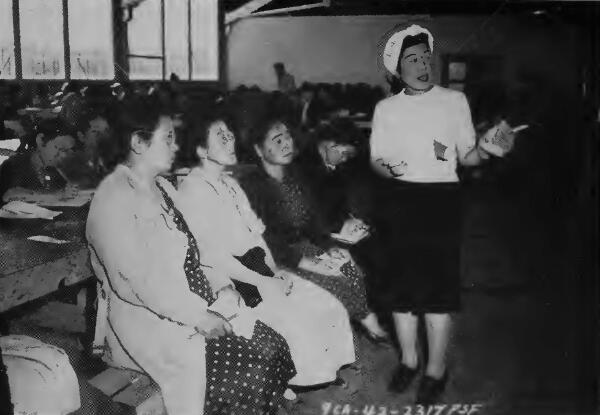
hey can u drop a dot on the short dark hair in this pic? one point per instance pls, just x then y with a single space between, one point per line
340 131
278 65
410 41
261 127
142 118
52 128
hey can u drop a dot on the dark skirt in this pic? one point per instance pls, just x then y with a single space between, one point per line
415 261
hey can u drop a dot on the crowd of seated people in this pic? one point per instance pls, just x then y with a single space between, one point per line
211 231
240 302
226 260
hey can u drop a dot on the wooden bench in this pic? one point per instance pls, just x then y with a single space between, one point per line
131 388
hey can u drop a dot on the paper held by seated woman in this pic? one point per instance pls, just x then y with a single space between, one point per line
353 231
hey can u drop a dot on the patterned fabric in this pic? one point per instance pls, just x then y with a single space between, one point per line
196 278
243 376
247 376
294 229
349 288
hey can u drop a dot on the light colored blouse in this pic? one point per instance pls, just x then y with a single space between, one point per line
137 249
219 214
423 134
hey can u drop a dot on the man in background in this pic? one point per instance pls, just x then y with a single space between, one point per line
285 81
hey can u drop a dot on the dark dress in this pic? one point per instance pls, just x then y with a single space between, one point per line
242 376
294 229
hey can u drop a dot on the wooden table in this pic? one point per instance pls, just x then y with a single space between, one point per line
30 270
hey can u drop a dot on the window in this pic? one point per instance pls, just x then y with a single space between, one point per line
42 28
73 39
90 39
42 43
7 51
174 36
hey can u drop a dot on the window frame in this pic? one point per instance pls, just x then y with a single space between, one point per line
220 44
16 15
120 61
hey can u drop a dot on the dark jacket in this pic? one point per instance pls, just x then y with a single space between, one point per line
289 212
18 171
340 192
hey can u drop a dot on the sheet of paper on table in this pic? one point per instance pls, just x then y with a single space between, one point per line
23 210
47 239
70 197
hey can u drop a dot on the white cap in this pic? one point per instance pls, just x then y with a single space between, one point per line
391 53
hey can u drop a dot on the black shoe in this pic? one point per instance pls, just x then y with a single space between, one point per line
431 389
402 378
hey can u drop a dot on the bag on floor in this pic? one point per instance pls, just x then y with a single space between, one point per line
40 377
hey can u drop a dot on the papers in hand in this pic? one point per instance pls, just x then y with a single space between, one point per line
500 139
353 231
24 210
324 264
47 239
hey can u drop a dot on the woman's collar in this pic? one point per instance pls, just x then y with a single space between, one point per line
133 178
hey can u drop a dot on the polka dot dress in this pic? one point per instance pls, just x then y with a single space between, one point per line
243 376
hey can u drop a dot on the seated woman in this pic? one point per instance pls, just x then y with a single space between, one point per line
338 173
38 168
313 322
295 231
156 305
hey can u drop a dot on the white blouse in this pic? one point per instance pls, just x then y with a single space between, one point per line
218 213
423 134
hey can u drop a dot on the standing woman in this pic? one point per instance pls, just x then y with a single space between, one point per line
156 293
418 138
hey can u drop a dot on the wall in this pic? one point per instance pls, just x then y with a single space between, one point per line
345 48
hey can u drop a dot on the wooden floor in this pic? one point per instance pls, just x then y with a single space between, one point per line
515 347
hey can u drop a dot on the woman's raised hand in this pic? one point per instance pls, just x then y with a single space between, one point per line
388 169
500 139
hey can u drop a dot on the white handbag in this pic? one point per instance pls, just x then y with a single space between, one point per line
40 376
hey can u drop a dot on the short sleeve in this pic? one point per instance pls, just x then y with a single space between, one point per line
465 138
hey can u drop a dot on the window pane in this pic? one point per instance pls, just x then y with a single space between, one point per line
145 69
42 39
205 40
176 37
7 51
144 37
90 39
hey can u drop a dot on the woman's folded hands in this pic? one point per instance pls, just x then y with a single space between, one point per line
213 325
281 283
